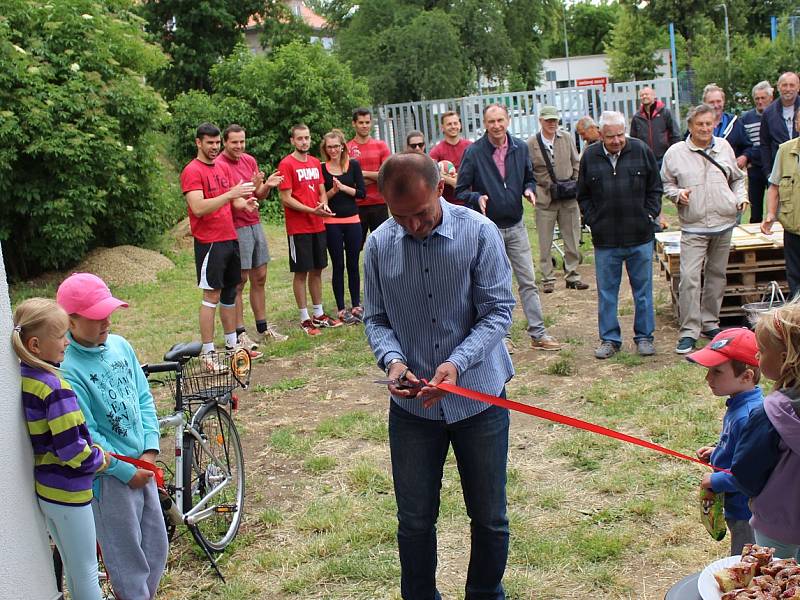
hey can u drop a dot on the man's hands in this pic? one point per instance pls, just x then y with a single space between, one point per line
323 210
445 372
741 162
531 197
766 224
683 197
430 394
482 203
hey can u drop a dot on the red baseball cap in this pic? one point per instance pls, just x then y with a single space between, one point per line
88 296
737 343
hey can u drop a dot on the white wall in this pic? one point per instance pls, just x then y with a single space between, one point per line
26 568
592 65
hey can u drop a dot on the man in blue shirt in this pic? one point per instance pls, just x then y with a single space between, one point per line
438 304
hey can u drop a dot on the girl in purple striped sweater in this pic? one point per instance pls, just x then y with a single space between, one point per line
65 459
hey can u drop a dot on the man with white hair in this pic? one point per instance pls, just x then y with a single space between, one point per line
587 129
619 192
751 120
777 124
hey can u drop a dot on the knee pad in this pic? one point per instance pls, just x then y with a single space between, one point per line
227 297
208 304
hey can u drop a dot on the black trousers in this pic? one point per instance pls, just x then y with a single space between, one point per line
756 186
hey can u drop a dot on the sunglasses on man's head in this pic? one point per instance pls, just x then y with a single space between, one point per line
419 145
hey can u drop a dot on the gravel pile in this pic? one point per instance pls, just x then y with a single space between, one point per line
124 265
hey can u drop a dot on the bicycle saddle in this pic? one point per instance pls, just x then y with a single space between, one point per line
183 351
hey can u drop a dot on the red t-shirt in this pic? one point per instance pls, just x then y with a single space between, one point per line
370 156
214 180
453 153
304 179
241 170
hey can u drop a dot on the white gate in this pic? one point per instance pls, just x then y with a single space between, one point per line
394 121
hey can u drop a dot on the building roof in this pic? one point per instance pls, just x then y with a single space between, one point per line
309 17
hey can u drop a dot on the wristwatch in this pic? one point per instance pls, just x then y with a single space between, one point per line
393 361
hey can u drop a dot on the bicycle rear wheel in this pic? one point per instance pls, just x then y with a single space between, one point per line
217 462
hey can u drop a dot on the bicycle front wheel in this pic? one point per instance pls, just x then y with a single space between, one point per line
213 477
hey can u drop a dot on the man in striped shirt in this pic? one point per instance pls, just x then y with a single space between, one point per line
438 304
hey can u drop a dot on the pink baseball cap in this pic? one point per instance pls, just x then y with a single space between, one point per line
736 343
87 295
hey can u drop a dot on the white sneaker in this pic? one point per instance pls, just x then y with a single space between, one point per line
272 334
244 341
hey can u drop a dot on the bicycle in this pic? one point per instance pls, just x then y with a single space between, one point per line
204 488
205 491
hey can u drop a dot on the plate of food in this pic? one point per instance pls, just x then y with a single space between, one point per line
753 575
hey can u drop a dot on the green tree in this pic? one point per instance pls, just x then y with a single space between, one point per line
526 23
405 53
195 35
632 51
589 28
482 22
281 26
78 162
267 94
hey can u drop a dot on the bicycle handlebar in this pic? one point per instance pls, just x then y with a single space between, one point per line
163 367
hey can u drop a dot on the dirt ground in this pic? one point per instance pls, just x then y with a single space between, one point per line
277 482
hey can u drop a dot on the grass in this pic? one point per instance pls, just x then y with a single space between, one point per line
589 516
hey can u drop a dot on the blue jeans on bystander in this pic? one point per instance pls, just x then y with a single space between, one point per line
638 262
419 449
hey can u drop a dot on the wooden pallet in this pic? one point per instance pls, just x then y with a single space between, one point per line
754 261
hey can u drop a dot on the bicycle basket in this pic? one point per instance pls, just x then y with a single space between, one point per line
214 376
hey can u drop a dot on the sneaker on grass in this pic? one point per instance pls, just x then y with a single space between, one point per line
244 341
685 345
309 328
254 354
348 318
273 335
325 321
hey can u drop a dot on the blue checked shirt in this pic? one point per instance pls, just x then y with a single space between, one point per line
445 298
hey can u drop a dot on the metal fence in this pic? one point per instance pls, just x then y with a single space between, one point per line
394 121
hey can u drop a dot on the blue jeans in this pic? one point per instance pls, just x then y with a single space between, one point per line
419 448
638 262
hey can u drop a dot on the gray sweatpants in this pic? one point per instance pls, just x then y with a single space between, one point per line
741 534
518 250
132 537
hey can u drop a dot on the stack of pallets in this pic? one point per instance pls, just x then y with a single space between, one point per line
754 261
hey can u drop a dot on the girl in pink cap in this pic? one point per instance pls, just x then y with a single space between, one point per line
120 414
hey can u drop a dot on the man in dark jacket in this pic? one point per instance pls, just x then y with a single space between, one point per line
619 191
654 125
751 120
495 174
777 124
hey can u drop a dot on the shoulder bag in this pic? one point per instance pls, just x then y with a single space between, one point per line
560 189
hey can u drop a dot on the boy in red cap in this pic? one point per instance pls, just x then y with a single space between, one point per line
732 363
113 394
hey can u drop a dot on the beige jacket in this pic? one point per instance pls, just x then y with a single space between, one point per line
715 199
565 164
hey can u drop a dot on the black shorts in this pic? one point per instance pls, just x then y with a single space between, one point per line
218 265
307 252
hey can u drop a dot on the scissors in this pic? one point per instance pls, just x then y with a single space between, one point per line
401 383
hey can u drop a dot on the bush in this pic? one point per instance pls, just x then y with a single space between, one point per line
78 162
267 95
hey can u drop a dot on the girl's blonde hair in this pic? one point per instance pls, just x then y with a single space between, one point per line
37 317
344 157
779 329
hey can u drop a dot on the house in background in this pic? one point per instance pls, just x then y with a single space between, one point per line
591 69
318 26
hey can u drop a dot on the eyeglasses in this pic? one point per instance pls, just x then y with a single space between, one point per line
419 145
336 147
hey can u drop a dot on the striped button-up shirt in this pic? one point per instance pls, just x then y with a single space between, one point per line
444 298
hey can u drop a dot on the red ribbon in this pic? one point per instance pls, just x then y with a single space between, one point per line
571 421
158 472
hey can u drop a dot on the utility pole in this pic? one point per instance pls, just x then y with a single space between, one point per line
566 46
724 8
